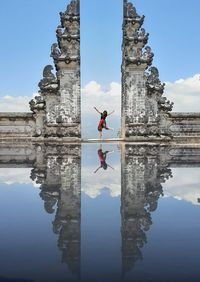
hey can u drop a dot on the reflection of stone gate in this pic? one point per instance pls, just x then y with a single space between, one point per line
56 112
57 169
144 169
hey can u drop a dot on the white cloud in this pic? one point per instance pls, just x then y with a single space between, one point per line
94 183
110 99
185 185
94 95
185 93
11 176
15 104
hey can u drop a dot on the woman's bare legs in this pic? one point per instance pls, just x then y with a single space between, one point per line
100 132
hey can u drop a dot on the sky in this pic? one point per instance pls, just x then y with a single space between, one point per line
27 30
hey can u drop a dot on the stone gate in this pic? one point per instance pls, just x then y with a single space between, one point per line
56 112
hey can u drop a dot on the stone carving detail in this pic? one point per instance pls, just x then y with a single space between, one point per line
38 175
69 89
49 82
52 114
136 56
155 88
131 14
142 36
72 9
153 82
147 56
68 35
37 104
135 38
165 105
68 51
142 102
55 51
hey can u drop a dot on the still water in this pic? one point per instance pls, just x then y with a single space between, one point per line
95 212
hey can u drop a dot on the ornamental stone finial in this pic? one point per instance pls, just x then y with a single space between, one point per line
73 8
55 51
49 82
125 2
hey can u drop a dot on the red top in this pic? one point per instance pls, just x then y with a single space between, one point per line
101 122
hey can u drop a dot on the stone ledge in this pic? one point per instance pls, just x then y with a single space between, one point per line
63 125
184 115
16 115
175 141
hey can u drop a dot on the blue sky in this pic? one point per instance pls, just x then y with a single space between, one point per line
27 30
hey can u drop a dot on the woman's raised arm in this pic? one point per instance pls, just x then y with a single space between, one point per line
97 110
111 113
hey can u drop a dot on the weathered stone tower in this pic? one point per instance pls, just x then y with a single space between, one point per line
142 101
59 103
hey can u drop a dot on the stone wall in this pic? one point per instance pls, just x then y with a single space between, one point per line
15 125
181 125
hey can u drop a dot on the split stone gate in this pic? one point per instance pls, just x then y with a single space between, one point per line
56 112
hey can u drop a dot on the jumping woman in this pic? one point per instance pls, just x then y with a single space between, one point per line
102 122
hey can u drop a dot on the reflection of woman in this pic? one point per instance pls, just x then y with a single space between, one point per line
102 158
102 122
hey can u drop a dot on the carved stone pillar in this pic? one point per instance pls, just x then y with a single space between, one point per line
66 55
142 103
61 94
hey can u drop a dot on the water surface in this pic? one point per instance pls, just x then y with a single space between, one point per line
96 212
